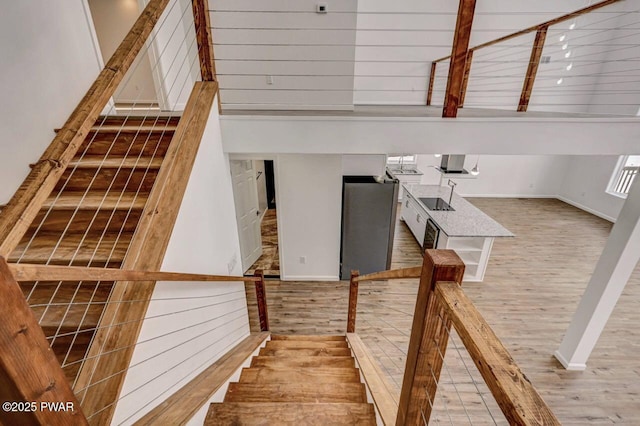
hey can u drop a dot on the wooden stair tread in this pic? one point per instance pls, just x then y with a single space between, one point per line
289 344
74 248
296 374
305 352
72 201
296 392
308 338
157 128
303 361
263 413
95 161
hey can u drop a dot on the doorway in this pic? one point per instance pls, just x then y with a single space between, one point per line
112 20
254 191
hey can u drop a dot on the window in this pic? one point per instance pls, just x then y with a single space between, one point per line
626 170
402 159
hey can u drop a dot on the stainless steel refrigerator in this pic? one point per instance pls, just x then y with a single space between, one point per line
369 205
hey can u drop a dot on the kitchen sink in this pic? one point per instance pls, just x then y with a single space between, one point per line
436 204
404 171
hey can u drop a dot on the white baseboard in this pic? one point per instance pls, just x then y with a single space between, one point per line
311 278
507 196
569 365
586 209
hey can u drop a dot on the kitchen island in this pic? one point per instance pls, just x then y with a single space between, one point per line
465 228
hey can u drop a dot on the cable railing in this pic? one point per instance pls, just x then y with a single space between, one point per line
221 322
581 62
451 360
107 189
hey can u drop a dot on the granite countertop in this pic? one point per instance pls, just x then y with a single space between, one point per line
466 221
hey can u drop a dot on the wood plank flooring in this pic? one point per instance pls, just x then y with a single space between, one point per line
531 289
269 261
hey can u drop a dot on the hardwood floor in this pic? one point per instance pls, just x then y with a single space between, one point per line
531 289
269 261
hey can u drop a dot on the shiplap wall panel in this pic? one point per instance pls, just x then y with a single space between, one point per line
310 56
279 5
285 53
287 83
282 36
287 97
264 68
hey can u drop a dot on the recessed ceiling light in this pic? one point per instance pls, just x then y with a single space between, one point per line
565 46
572 26
566 55
559 81
570 66
562 37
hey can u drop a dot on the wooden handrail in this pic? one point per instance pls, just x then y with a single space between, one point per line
261 300
28 272
25 204
548 23
29 371
514 393
429 338
393 274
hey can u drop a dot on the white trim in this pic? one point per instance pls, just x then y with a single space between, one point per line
508 195
586 209
571 366
310 278
284 107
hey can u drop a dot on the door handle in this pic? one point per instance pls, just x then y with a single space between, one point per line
257 212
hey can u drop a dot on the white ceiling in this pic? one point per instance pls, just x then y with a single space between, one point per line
380 52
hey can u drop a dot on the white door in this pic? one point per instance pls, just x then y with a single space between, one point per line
245 196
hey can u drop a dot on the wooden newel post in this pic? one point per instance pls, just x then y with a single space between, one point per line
429 337
33 387
261 297
353 302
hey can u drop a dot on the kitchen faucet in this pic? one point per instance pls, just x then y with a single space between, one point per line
452 184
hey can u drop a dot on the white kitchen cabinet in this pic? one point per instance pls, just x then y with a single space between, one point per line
474 252
413 177
415 218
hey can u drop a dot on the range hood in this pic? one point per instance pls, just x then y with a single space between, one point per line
452 163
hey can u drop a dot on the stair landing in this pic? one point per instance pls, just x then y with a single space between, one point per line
297 380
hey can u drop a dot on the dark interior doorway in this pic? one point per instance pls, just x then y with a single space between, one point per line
271 184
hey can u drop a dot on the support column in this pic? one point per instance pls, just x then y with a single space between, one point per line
612 272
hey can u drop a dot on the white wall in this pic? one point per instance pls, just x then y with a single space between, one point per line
363 165
309 199
504 175
48 62
586 183
302 51
382 135
174 347
112 21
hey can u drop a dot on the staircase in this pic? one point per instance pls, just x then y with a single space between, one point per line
89 220
294 380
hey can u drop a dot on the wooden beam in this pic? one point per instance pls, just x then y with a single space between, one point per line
205 42
424 358
29 371
28 272
547 24
514 393
180 407
25 204
382 392
459 52
353 302
432 79
203 38
261 298
393 274
465 78
532 69
101 376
